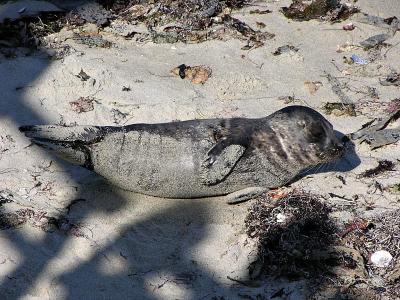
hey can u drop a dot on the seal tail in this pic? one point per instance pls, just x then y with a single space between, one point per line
69 142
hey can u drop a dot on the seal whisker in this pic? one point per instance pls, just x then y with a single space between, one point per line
318 169
308 170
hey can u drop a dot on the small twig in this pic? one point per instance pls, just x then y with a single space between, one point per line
161 285
336 66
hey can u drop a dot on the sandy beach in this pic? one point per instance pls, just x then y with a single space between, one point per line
81 238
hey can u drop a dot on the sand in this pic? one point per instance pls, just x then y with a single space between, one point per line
139 247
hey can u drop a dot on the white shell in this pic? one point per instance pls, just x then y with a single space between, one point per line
381 258
280 218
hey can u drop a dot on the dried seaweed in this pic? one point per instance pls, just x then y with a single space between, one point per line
28 32
163 21
381 234
40 219
91 40
83 104
15 219
340 109
330 10
260 12
295 234
383 166
391 79
297 239
191 21
195 14
91 13
285 49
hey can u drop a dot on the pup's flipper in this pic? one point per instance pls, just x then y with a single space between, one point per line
220 161
71 143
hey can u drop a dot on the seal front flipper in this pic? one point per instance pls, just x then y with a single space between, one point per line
69 142
220 161
245 194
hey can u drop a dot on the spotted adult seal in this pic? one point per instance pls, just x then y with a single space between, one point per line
237 157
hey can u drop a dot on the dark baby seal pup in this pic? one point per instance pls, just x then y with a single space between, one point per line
238 157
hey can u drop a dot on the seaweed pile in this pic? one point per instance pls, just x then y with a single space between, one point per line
191 21
160 21
298 238
290 230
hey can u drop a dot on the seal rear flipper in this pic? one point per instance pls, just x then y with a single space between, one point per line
69 142
84 134
220 162
245 194
67 151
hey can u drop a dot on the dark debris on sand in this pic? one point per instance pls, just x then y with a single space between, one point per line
39 219
298 238
290 230
382 233
339 109
326 10
165 21
29 31
383 167
191 21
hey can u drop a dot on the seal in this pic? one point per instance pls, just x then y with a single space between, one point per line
237 157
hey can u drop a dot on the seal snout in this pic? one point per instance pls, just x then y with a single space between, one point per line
337 150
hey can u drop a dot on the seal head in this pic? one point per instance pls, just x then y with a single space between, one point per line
304 136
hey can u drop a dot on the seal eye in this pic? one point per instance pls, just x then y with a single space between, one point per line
316 133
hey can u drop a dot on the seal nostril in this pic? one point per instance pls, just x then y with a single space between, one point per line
340 148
